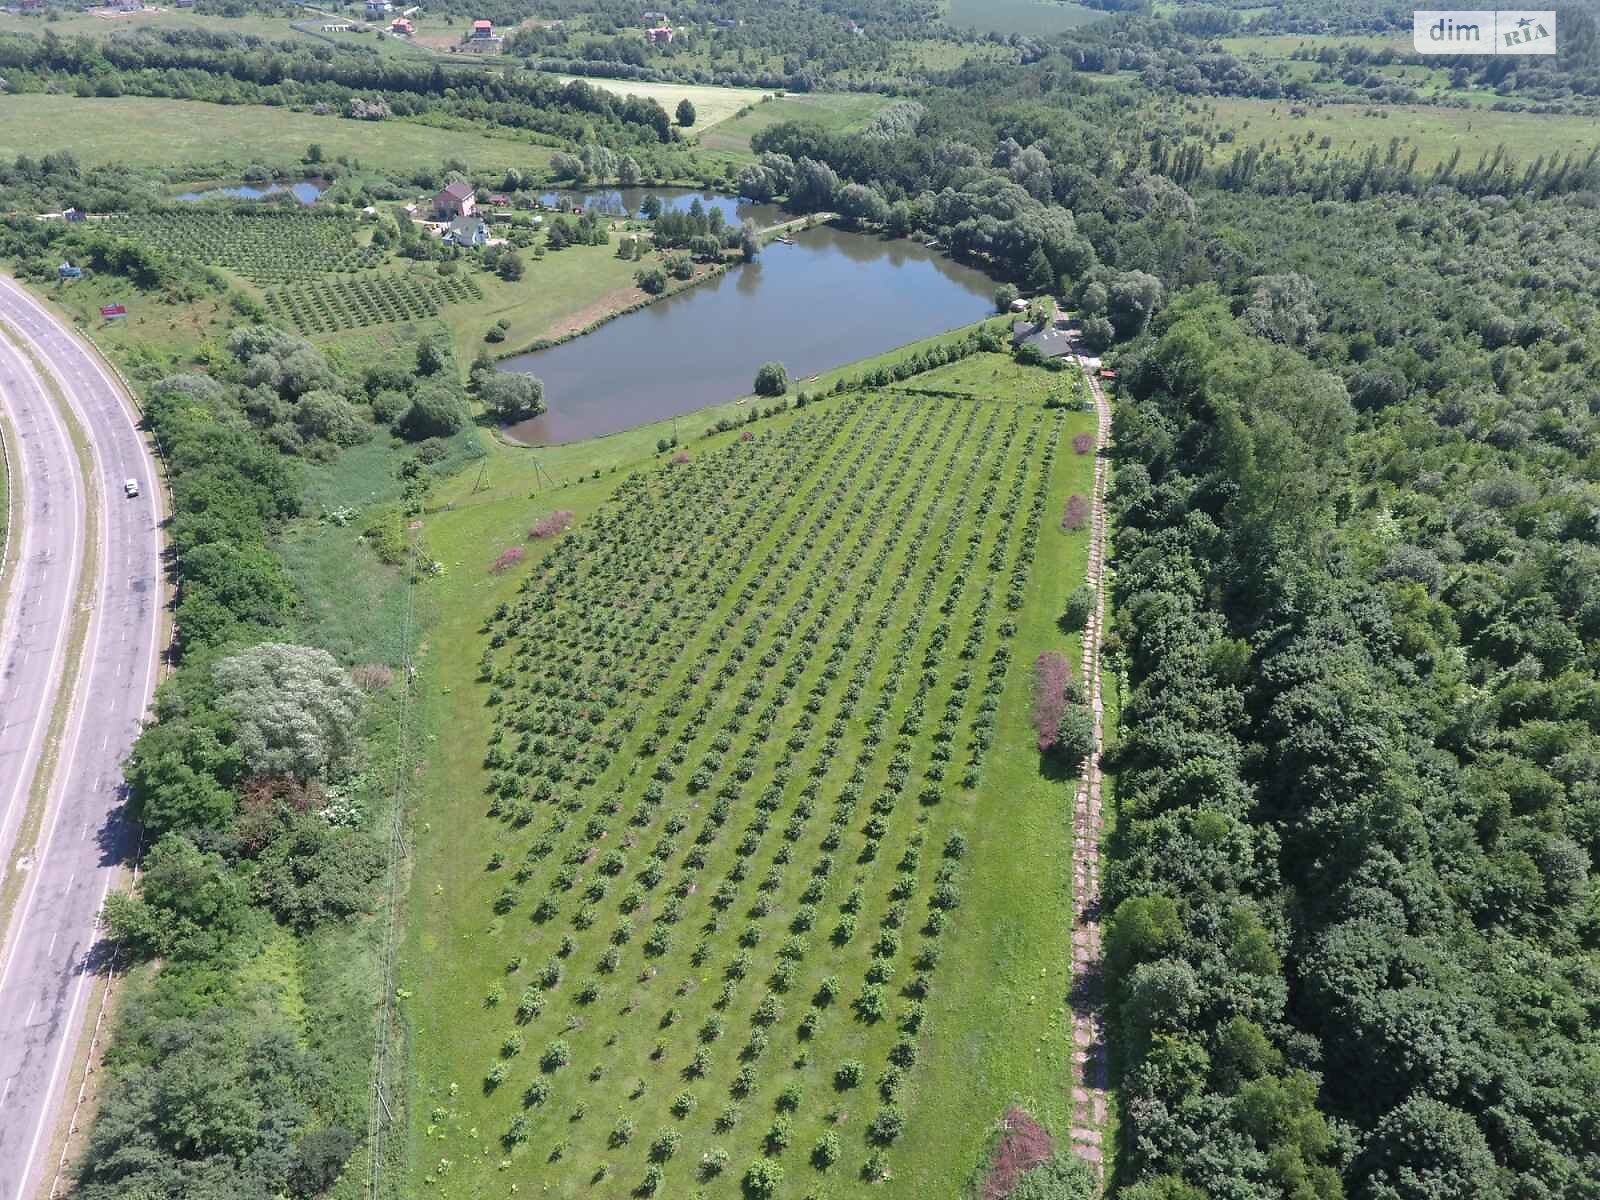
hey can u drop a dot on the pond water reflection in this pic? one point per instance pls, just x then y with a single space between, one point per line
830 298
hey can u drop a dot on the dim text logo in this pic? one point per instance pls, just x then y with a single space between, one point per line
1484 31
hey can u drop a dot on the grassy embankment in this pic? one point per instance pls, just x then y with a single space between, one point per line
999 1008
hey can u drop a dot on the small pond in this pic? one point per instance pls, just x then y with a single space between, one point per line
829 298
306 192
626 202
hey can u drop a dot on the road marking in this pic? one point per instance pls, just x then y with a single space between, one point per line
52 948
99 402
28 1020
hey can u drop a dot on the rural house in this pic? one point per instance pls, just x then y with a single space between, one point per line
377 8
661 35
483 39
1053 341
456 200
466 231
401 27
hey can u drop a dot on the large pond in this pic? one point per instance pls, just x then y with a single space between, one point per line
828 299
305 191
626 202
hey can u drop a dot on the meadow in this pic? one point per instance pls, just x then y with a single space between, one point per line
712 105
562 291
1038 17
1436 132
89 24
742 854
838 112
192 138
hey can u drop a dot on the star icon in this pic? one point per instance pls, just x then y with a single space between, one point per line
1524 23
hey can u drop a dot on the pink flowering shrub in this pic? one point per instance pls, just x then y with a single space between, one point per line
1051 675
557 522
1077 514
682 456
507 560
1024 1145
1083 443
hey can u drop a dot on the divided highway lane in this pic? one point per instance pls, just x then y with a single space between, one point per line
46 957
48 539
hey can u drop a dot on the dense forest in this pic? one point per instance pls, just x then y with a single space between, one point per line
1353 934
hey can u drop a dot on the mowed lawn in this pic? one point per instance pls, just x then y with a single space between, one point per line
185 135
994 1023
1436 132
838 112
712 105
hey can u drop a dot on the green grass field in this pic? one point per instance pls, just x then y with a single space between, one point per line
1436 132
96 25
712 105
1278 47
190 136
998 373
893 487
1019 16
571 287
837 112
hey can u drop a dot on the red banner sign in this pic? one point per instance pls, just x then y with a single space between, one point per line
113 310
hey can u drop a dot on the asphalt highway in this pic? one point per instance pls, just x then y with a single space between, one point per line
49 954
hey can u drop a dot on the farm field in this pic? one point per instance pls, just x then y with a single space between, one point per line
95 25
1019 16
271 246
189 136
779 772
834 111
712 105
1436 132
370 298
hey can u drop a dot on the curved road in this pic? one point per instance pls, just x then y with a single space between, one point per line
47 955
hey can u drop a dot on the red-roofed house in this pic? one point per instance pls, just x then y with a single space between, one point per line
456 200
402 27
661 35
483 39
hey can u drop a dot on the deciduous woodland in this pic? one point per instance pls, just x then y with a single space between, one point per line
696 811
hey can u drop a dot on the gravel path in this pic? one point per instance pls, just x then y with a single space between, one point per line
1088 1022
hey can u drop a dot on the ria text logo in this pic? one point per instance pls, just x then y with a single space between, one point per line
1484 31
